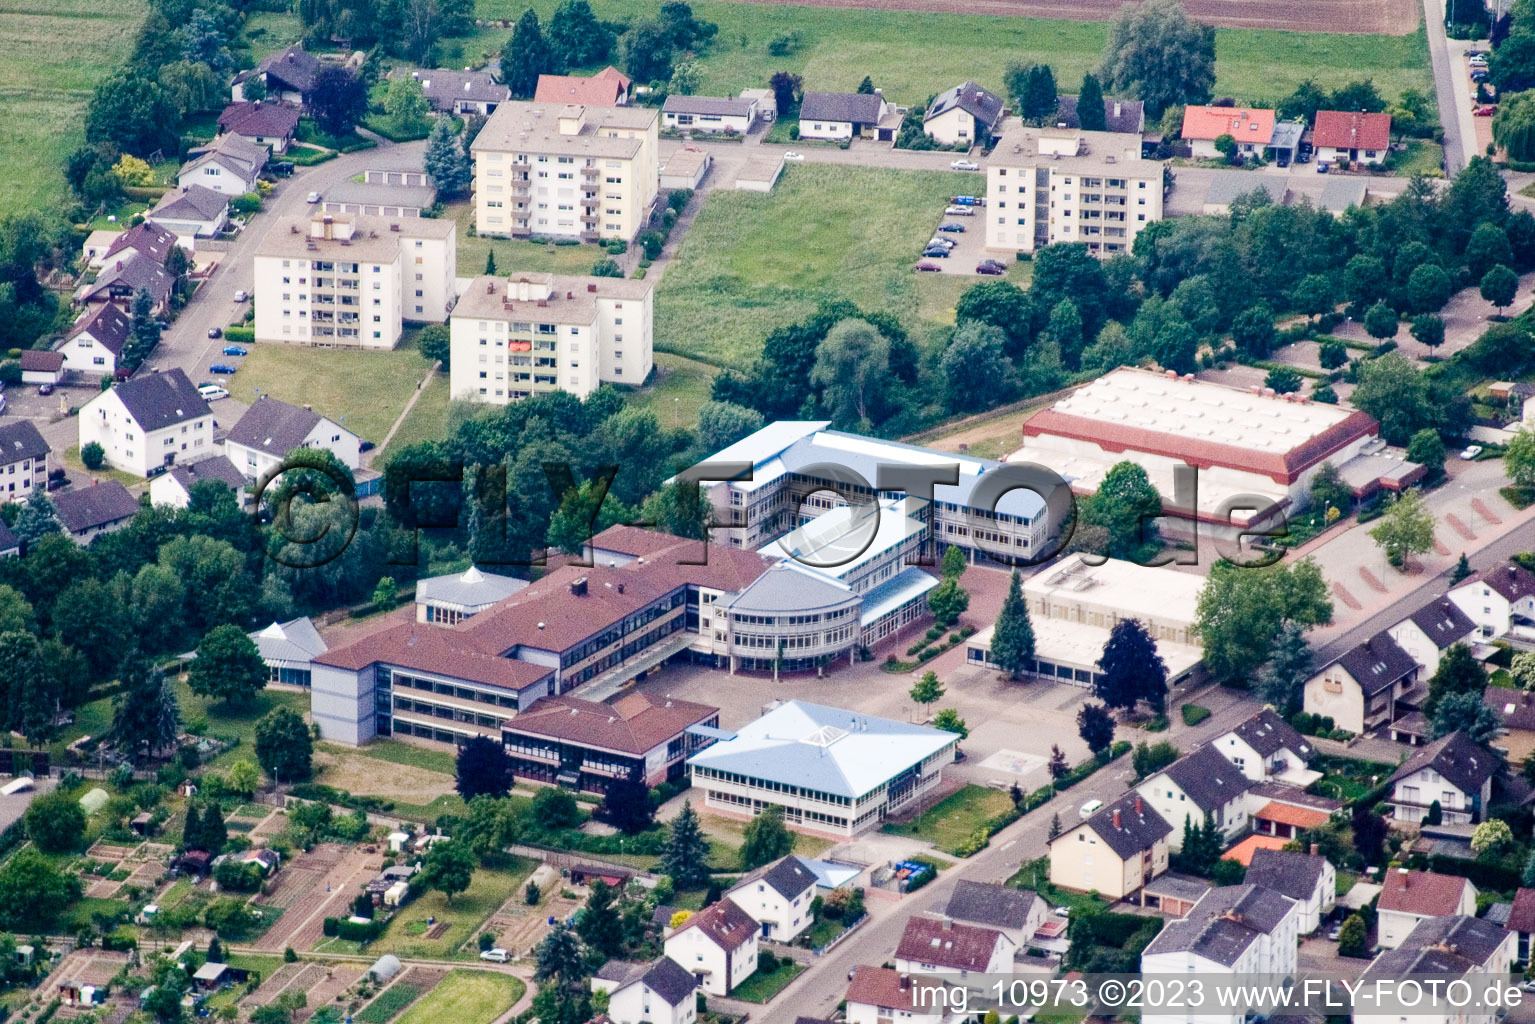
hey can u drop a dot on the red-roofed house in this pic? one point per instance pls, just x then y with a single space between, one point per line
1343 135
718 945
1408 897
1521 919
1252 129
936 945
607 88
879 995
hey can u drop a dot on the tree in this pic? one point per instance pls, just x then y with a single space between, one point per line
948 720
1314 295
786 91
1405 528
253 89
28 687
37 519
1519 458
577 38
1427 449
1428 330
483 769
928 689
1281 677
1012 638
1241 611
1057 764
948 602
1282 380
1127 505
1253 331
525 56
435 342
1491 838
626 804
1148 760
1157 52
1354 938
647 52
1034 88
765 839
953 564
213 834
228 667
1499 286
686 76
1513 126
680 509
684 856
1055 825
1467 713
15 611
143 329
1458 672
600 925
976 374
406 107
1461 571
1131 669
721 424
1370 831
245 777
1091 116
852 366
145 715
450 168
1428 288
1397 394
490 262
56 822
33 892
337 99
448 868
284 746
1096 727
866 87
555 808
1487 247
560 963
1435 814
1380 321
1226 145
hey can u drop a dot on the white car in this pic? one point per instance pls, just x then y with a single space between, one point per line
959 211
1089 809
1062 911
798 158
964 165
313 197
241 295
212 392
496 955
947 243
1471 452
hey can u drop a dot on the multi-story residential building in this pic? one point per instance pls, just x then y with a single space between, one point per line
1266 748
1461 947
1453 772
262 438
566 170
1499 601
1408 898
1372 684
1307 878
147 424
1431 630
531 333
832 771
778 897
1047 185
1198 787
23 460
1116 851
350 281
718 946
881 995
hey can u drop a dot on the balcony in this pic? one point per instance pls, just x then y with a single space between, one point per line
521 165
589 173
590 202
589 218
521 188
588 236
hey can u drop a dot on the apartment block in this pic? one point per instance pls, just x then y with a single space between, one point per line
351 281
528 333
566 170
1047 185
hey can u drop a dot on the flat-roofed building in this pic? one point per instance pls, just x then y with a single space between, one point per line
566 170
1046 185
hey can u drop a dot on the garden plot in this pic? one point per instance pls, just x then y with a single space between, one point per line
319 883
298 977
519 927
323 993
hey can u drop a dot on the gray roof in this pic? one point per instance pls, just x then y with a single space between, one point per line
789 878
8 540
671 981
85 508
1287 872
1340 192
853 107
392 159
1443 945
273 426
149 239
294 66
1286 135
1463 764
214 467
157 400
1443 622
19 440
786 587
1207 778
443 88
717 106
470 588
1226 186
417 196
233 151
194 202
622 972
1182 887
984 106
1223 924
259 119
1119 115
1377 663
294 640
1138 829
132 270
998 906
108 325
1268 734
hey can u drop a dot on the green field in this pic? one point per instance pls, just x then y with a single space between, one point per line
954 818
759 988
913 55
677 389
52 53
467 997
516 254
389 1003
428 419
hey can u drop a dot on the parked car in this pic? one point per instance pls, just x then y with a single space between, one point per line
1485 110
1479 75
45 388
1062 911
1089 809
235 350
951 226
1470 452
282 168
795 157
1477 60
935 251
313 197
61 482
365 446
928 267
947 243
223 368
212 392
959 211
496 955
242 295
991 268
964 165
1323 166
215 332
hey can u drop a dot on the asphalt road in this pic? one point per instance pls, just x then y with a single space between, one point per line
1444 89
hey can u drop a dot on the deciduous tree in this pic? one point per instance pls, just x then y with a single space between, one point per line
483 769
1405 528
227 667
1155 51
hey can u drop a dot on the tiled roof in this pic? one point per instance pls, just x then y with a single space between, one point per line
1245 124
725 923
146 238
1119 115
274 427
1207 778
107 324
444 88
1424 893
881 986
86 508
787 876
39 360
930 940
1510 581
1443 622
19 440
852 107
193 202
1243 852
1224 923
435 649
1287 872
1453 944
714 106
157 400
1136 828
1377 664
1515 708
131 271
214 467
1463 764
671 981
984 106
634 724
267 120
1287 814
294 66
1341 129
603 89
1521 918
1268 734
997 906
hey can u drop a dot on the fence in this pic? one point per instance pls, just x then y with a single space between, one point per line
565 859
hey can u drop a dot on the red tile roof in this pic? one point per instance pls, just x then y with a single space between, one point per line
1285 814
438 650
1242 123
1339 129
725 923
1243 852
930 940
1422 892
634 724
881 986
604 89
1521 917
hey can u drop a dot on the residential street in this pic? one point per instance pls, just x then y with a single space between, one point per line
1454 113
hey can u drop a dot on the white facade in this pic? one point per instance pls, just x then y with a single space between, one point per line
1492 612
1409 636
128 447
718 970
254 463
1394 926
1270 952
1413 795
222 174
782 917
532 333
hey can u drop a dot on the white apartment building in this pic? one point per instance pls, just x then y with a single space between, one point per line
566 170
1047 185
149 423
350 281
528 333
1462 947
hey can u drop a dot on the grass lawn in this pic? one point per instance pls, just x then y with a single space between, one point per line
491 888
726 835
398 752
753 262
331 379
677 390
823 931
267 32
72 460
1423 156
1035 876
389 1004
429 418
516 254
238 720
467 997
760 988
52 54
912 55
952 820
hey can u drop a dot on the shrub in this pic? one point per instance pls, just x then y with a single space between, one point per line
239 334
794 133
93 456
1193 714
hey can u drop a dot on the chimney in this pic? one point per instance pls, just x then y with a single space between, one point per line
905 982
1314 849
578 587
1117 823
592 287
1138 806
620 588
948 924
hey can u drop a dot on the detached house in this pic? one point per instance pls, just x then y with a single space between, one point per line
1516 713
1431 630
230 166
1453 772
1265 748
932 945
1116 851
191 212
718 946
1199 786
262 124
778 897
966 113
1500 600
879 995
847 115
23 460
1307 878
1408 897
1016 913
462 92
1353 136
1252 130
658 993
1446 948
101 508
10 544
288 76
609 87
1360 690
270 429
1123 116
1521 921
174 486
96 340
709 113
123 276
147 424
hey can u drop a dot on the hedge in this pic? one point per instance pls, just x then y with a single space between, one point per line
239 334
1193 714
1486 877
308 157
358 931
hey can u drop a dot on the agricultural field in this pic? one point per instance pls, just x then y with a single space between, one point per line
45 84
467 996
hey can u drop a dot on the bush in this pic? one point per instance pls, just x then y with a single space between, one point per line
358 931
93 456
794 133
239 334
329 927
1193 714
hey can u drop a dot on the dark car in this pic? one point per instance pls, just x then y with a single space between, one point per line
215 332
54 485
365 446
937 251
224 368
235 350
990 267
45 389
282 168
952 227
928 268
